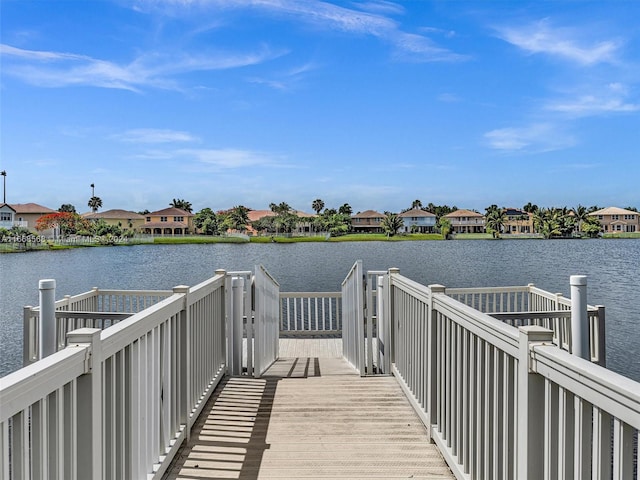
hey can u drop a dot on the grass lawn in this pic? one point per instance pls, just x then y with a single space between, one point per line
196 239
622 235
474 236
381 237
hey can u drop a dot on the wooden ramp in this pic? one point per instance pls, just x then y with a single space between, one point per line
309 417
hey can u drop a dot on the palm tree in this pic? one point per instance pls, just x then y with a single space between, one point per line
581 214
444 224
239 218
416 204
391 223
181 204
345 209
94 203
496 218
317 205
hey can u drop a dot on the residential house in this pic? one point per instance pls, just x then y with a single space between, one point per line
27 214
169 221
124 219
617 220
8 217
466 221
367 221
517 221
417 220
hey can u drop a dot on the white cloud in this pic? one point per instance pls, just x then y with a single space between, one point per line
286 80
541 137
567 43
230 158
368 19
593 105
55 69
151 135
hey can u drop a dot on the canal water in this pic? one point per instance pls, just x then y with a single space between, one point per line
612 268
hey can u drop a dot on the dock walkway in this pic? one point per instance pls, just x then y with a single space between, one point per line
310 416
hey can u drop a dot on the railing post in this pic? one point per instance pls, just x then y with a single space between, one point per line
393 327
602 349
432 354
28 336
237 304
89 404
579 317
531 401
184 355
382 330
48 341
223 326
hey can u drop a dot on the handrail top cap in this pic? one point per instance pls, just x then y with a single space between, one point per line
47 284
578 280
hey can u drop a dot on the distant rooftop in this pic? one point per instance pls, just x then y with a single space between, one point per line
31 208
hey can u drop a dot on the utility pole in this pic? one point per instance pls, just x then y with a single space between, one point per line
4 186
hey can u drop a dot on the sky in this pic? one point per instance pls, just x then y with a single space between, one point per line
372 103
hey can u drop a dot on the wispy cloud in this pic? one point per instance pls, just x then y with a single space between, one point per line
568 43
368 18
535 138
609 99
58 69
229 158
151 135
286 80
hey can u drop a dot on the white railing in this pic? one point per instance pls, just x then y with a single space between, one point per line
266 320
310 313
117 403
353 348
504 402
97 308
528 305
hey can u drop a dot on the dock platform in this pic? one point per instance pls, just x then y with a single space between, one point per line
310 416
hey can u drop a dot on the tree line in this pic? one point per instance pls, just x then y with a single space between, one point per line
549 222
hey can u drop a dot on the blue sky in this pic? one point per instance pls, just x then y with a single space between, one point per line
371 103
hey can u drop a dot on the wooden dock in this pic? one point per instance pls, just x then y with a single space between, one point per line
310 416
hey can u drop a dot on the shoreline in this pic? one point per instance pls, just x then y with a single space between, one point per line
6 247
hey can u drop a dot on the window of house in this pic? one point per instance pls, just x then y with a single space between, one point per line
5 216
599 217
615 217
178 219
163 219
148 219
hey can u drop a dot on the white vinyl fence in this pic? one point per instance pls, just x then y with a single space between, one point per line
97 308
310 313
116 403
353 347
266 320
528 305
504 402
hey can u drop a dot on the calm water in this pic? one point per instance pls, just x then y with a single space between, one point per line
612 267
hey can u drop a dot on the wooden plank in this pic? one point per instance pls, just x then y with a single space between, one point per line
309 417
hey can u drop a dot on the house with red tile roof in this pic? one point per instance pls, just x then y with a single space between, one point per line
168 221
